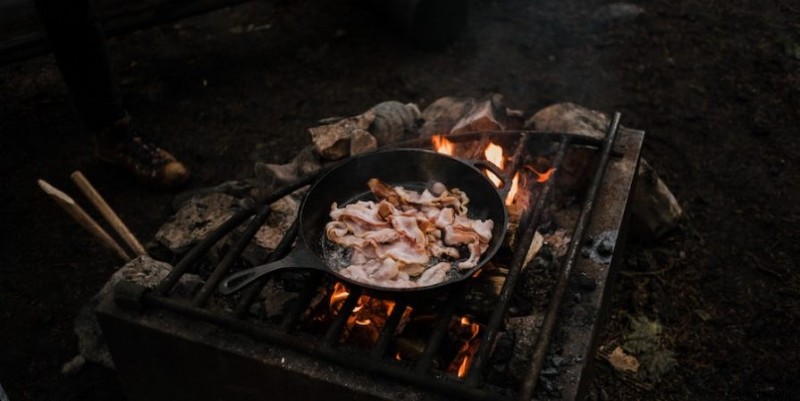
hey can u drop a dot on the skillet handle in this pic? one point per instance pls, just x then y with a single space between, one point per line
505 182
300 257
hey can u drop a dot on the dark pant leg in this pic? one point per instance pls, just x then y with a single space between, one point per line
80 50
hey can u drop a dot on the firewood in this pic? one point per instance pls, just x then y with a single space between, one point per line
443 114
489 115
332 141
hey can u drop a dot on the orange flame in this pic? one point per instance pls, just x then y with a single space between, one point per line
463 359
494 154
340 293
464 368
442 145
512 193
542 177
366 319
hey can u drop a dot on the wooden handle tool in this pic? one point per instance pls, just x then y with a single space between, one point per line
86 221
107 212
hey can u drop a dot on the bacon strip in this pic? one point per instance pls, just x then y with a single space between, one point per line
408 238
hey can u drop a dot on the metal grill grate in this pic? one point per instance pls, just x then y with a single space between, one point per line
375 360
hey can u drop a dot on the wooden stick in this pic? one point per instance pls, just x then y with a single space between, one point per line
83 219
108 213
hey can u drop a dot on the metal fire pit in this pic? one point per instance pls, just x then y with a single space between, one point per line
173 349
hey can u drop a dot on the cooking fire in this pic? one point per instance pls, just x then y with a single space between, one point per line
484 230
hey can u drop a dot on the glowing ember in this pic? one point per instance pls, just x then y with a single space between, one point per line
442 145
494 154
542 177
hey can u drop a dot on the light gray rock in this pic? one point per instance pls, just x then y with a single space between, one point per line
394 122
655 210
569 117
284 212
197 218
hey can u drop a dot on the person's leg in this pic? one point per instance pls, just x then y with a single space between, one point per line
80 50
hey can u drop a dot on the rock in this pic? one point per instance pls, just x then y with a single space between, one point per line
332 141
274 297
73 366
362 142
197 218
144 271
569 117
526 329
284 212
605 247
235 188
655 211
394 122
443 114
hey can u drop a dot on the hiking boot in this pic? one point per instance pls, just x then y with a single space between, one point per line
122 146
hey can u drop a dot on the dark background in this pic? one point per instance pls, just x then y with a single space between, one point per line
715 84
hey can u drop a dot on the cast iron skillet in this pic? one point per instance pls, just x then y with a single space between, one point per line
347 183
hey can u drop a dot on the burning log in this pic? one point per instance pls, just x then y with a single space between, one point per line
385 123
655 210
449 115
489 115
332 141
443 114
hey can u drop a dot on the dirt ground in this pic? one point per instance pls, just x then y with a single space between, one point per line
715 84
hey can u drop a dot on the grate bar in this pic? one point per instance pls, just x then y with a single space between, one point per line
183 266
302 302
556 300
198 250
335 331
439 331
251 291
307 345
527 229
231 257
387 332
